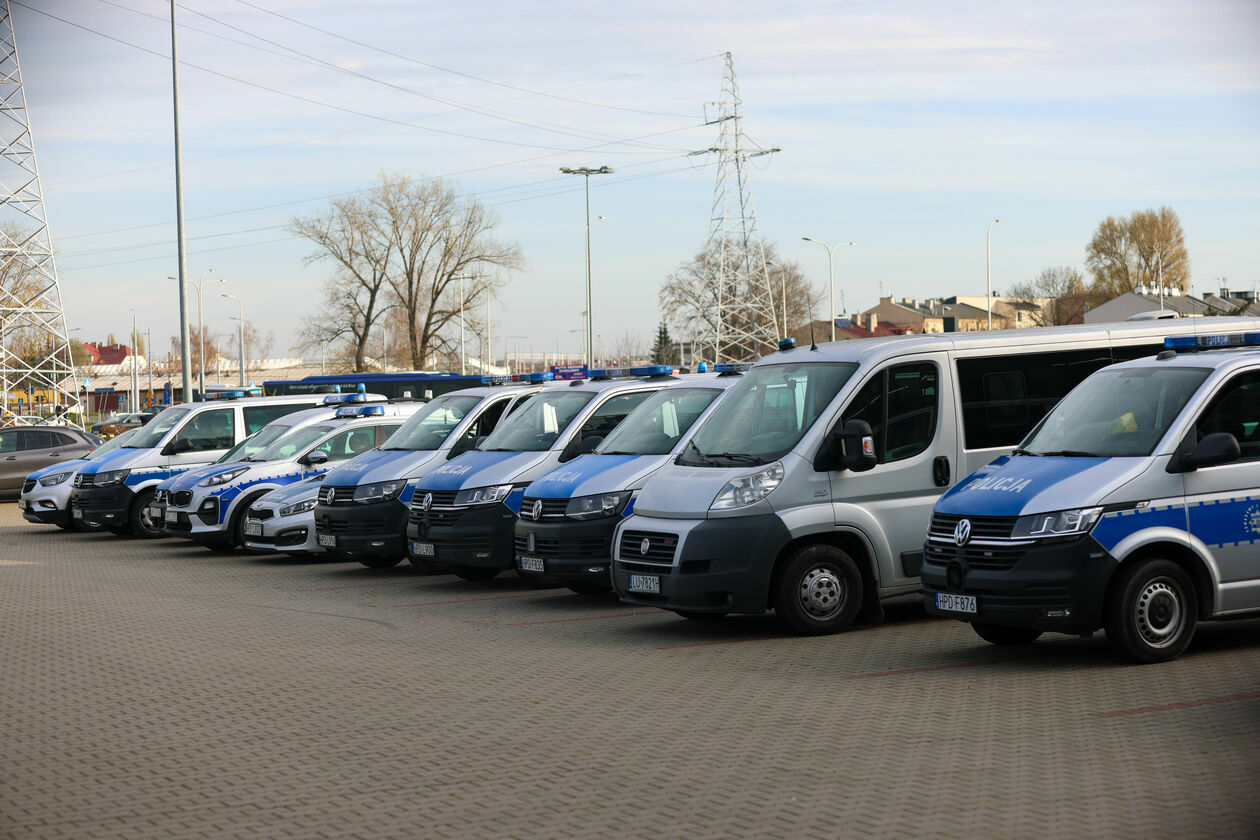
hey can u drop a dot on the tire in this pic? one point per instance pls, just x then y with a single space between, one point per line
1151 611
1001 634
376 561
474 573
692 615
238 520
140 521
587 587
818 591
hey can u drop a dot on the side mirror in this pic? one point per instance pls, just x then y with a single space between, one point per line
1215 449
851 447
464 444
315 457
175 447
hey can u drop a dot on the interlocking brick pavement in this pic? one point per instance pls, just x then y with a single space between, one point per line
157 690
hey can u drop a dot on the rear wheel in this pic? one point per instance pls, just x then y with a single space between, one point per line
140 518
1000 634
474 573
376 561
1151 611
818 591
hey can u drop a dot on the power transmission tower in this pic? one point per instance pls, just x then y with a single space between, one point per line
34 344
740 320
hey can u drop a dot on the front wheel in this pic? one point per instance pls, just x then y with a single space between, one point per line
819 591
474 573
1151 611
141 518
1001 634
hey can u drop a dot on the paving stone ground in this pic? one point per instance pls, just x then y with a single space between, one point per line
157 690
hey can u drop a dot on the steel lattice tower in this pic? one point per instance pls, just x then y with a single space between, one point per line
740 321
34 344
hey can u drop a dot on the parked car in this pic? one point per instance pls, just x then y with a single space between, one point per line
122 423
25 449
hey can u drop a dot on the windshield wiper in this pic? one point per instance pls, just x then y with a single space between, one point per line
738 457
1025 452
700 456
618 452
1073 453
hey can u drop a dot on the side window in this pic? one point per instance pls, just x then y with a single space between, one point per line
383 432
868 405
489 418
900 404
209 430
37 439
257 416
1236 410
516 406
9 440
605 418
65 440
348 444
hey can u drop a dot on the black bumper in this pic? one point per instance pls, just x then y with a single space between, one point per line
378 529
480 537
1057 587
46 516
105 506
571 551
724 565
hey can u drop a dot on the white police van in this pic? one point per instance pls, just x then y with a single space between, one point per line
810 487
567 517
209 506
45 497
1133 506
462 513
114 491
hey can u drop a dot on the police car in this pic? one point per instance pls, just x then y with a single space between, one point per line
45 497
209 507
284 520
1134 506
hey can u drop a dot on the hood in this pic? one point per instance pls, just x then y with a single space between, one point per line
587 475
189 478
60 466
119 459
378 465
297 492
1025 484
480 469
686 492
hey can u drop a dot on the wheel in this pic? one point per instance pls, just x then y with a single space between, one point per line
692 615
1001 634
375 561
818 591
1151 611
474 572
139 518
428 567
588 587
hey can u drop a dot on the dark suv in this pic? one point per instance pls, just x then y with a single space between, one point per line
24 449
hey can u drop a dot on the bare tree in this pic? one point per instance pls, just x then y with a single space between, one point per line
1054 297
257 345
627 348
1147 247
194 347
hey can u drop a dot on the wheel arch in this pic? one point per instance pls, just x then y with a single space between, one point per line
851 543
1182 555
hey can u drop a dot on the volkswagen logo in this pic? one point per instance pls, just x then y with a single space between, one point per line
332 493
644 546
536 510
529 542
426 502
962 532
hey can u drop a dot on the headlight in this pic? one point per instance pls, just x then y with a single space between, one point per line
379 492
597 507
483 495
745 490
223 477
50 480
106 479
1063 523
298 507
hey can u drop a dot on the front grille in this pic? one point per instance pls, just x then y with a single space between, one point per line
435 518
260 513
329 495
551 508
660 547
441 498
464 544
28 485
83 479
181 498
375 526
89 502
590 549
974 556
982 527
643 567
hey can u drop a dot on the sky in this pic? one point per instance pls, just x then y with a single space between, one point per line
906 127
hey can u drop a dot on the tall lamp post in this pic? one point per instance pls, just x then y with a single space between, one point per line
831 281
201 329
587 172
240 332
988 270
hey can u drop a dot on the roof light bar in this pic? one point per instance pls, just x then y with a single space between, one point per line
732 367
787 343
651 370
544 376
361 411
1207 342
223 395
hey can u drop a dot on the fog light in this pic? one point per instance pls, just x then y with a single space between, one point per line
48 504
1058 613
377 543
597 569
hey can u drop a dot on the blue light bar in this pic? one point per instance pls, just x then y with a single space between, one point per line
732 367
787 343
337 399
362 388
607 373
544 376
223 395
361 411
497 379
1204 342
651 370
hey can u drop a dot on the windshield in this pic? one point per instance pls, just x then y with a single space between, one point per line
428 428
766 414
536 426
291 444
656 426
152 434
255 443
111 444
1115 413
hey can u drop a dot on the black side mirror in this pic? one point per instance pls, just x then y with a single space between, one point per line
1215 449
464 444
851 447
315 457
175 447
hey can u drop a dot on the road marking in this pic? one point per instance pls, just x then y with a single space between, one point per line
580 618
1185 704
925 669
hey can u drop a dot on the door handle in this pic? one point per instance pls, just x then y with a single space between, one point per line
940 470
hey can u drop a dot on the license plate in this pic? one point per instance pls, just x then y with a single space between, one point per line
172 516
329 540
531 564
76 513
645 583
21 504
423 549
956 603
253 529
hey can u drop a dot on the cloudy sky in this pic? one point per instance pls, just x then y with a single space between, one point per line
906 126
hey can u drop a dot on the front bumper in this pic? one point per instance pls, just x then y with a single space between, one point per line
198 519
1055 587
570 550
290 534
46 505
107 507
378 529
717 565
480 536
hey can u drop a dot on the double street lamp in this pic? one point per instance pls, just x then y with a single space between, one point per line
988 270
240 333
831 280
587 172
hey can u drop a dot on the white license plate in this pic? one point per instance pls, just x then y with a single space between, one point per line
77 513
531 564
956 603
423 549
172 515
645 583
329 540
253 529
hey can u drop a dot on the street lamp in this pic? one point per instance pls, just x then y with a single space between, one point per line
463 355
201 330
831 282
587 172
988 270
240 332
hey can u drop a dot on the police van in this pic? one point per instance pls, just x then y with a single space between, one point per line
361 507
809 489
45 497
114 491
1133 506
462 512
567 517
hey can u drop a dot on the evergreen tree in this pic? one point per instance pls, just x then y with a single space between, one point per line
664 351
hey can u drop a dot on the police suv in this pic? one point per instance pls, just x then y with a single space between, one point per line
1133 506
